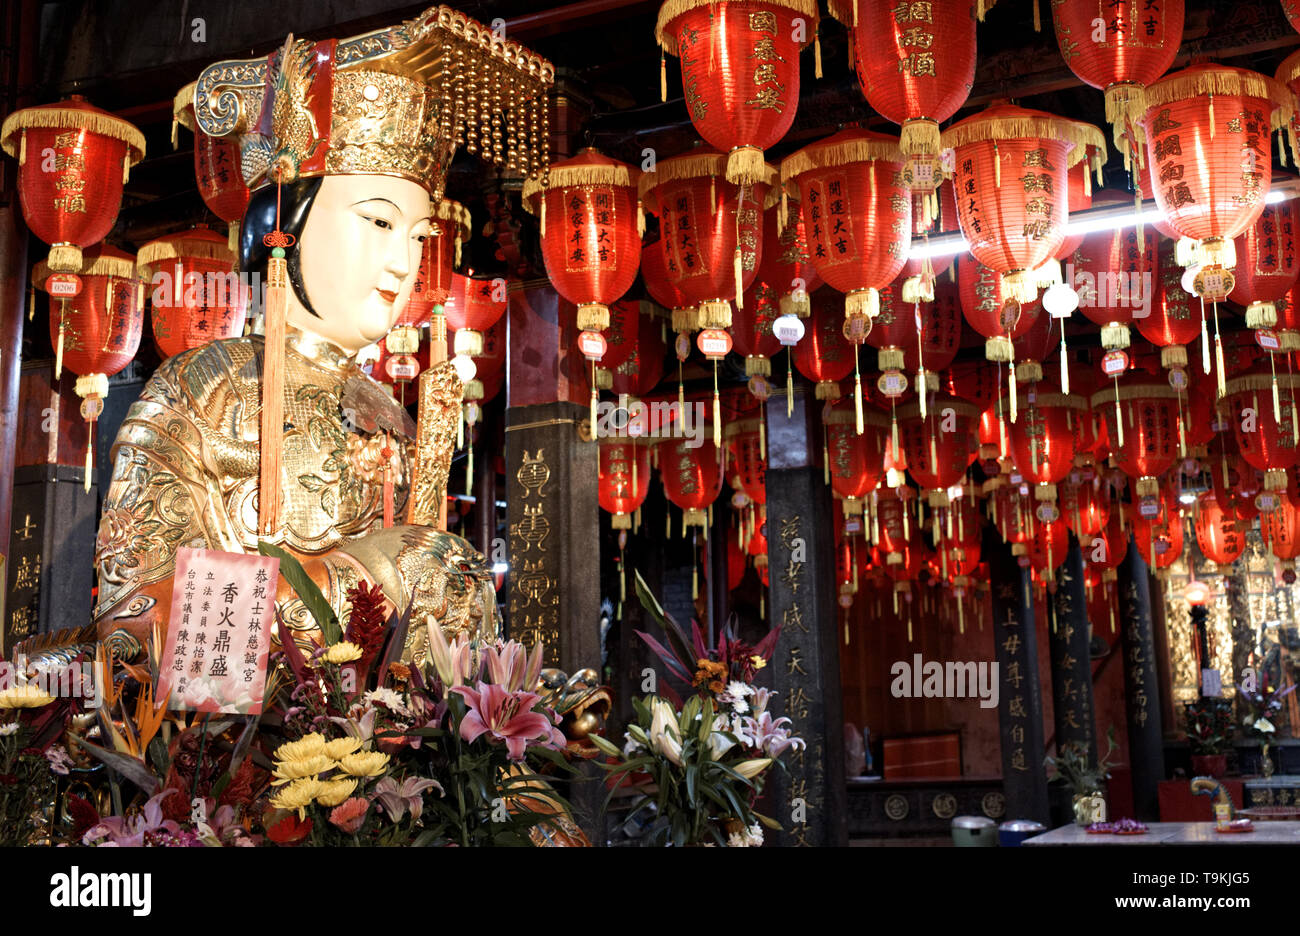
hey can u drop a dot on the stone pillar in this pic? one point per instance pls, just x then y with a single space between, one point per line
805 667
1071 661
1145 748
1020 703
553 590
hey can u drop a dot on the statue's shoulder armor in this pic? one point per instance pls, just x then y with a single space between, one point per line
219 380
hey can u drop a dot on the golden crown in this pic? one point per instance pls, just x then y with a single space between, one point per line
396 101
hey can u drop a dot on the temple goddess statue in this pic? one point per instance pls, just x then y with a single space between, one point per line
345 145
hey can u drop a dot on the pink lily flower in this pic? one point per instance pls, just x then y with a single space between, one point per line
396 798
507 716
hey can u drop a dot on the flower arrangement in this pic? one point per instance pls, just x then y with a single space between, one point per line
1262 703
701 764
29 754
1209 725
354 748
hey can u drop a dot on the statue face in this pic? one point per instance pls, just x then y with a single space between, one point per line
360 251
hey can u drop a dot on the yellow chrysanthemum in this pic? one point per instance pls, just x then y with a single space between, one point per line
306 746
334 792
364 763
303 767
342 747
25 696
344 652
298 795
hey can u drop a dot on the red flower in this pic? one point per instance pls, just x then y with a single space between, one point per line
367 622
84 816
289 830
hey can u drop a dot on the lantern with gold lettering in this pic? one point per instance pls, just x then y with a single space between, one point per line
1085 506
1141 416
1265 429
824 355
97 331
1207 130
711 230
740 72
751 330
1172 324
634 361
855 463
915 63
1280 528
1012 188
216 166
786 265
941 445
73 160
1139 45
624 479
1267 263
1048 545
1159 538
747 467
1218 532
1114 274
665 292
1043 442
195 294
692 477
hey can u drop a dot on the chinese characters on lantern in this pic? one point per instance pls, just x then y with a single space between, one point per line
219 632
68 164
767 85
919 61
1038 191
590 219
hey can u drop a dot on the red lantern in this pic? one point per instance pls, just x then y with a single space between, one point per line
991 310
664 291
1085 508
856 211
71 187
1267 264
624 479
97 332
786 265
1172 323
1160 540
856 462
217 166
473 306
715 247
1139 45
941 446
1263 425
1043 440
940 331
751 329
892 525
1018 226
1207 130
1011 508
590 227
1106 549
1280 528
747 459
1218 532
1141 417
634 362
1048 545
824 355
740 72
1114 272
915 63
692 477
195 294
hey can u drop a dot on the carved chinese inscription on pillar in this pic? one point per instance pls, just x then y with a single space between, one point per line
22 605
534 592
1135 659
1073 699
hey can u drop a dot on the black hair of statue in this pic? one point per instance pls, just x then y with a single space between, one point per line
296 199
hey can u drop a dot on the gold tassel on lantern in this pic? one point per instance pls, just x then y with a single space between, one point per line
717 409
31 302
817 52
58 350
663 76
789 383
1205 342
1218 355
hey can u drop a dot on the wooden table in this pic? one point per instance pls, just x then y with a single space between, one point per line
1176 833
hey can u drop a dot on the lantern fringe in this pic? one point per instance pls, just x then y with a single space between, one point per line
593 316
1257 382
827 390
1173 356
890 359
71 118
666 38
566 176
1145 390
1029 372
846 417
862 301
919 137
1126 105
621 521
696 166
1275 479
963 409
182 248
745 166
846 152
232 239
458 214
1223 80
1288 340
1147 486
756 366
98 266
1261 315
980 129
1216 251
64 258
715 313
468 341
1114 336
1020 285
474 389
918 288
685 319
999 349
798 305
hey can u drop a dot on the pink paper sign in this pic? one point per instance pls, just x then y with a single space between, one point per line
219 632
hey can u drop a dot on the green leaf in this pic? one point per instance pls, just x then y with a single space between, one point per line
306 590
606 746
648 600
132 768
692 777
